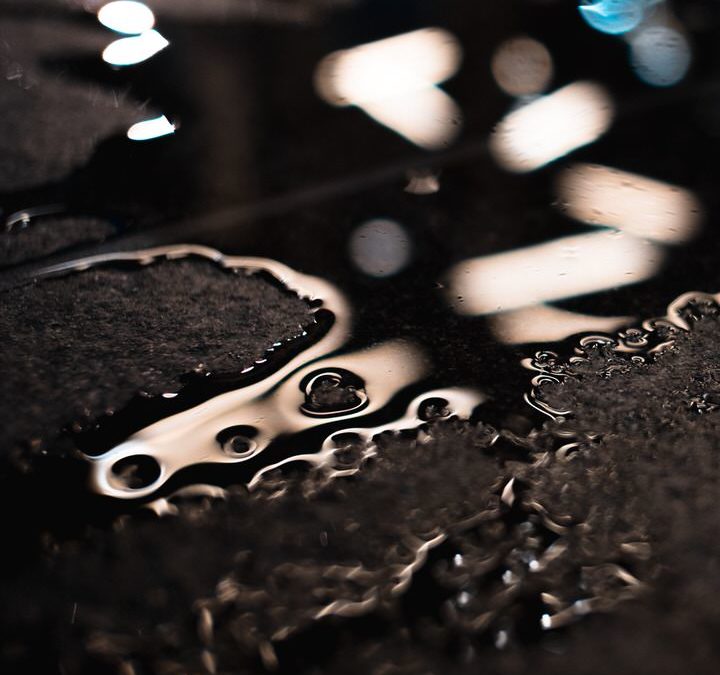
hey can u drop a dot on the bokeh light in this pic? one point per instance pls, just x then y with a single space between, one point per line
380 247
132 50
660 55
552 126
126 16
394 82
149 129
522 66
600 195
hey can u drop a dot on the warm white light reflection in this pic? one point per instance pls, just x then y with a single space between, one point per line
149 129
429 118
563 268
394 81
660 55
422 182
552 126
548 324
380 247
522 66
131 50
599 195
126 16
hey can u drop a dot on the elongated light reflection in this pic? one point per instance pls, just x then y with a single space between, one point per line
126 16
552 126
563 268
131 50
549 324
394 81
149 129
600 195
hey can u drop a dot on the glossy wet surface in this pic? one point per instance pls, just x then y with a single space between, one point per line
443 192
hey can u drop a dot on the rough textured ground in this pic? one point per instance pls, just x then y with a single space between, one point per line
86 343
43 236
612 540
49 124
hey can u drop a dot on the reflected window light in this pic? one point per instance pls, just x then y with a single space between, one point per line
559 269
380 248
615 16
149 129
126 16
522 66
131 50
599 195
660 55
552 126
422 183
550 324
394 81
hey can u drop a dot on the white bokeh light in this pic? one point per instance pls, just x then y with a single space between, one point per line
132 50
149 129
552 126
126 16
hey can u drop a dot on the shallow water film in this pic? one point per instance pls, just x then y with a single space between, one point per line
357 336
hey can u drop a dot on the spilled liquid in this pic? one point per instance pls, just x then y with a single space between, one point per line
329 395
517 208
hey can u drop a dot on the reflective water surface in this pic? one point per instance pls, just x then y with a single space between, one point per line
459 191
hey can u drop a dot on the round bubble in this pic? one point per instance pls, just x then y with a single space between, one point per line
660 55
615 16
380 248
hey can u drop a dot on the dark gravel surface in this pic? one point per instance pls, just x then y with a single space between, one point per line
305 574
50 124
44 236
84 344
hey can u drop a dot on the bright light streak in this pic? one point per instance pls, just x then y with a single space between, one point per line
660 55
522 66
548 324
552 126
126 16
563 268
641 206
131 50
149 129
394 81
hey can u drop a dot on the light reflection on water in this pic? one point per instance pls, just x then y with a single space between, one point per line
552 126
562 268
126 16
149 129
522 66
395 82
129 51
660 55
599 195
380 247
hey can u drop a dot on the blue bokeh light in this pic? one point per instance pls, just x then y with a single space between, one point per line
615 16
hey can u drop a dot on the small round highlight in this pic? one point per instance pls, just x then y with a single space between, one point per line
380 248
660 55
522 66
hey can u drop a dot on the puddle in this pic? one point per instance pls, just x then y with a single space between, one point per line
478 218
